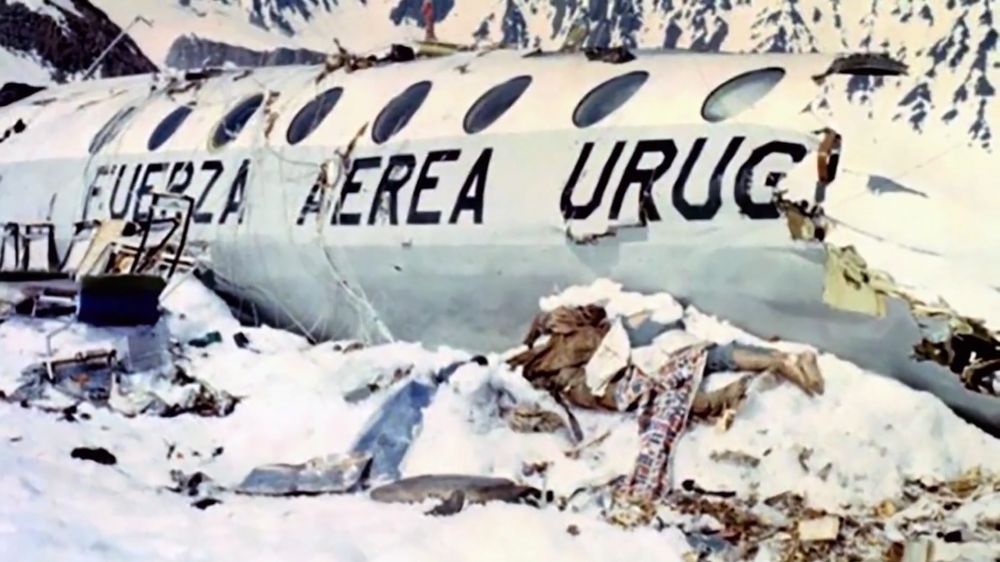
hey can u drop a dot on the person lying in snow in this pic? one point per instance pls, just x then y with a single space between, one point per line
665 398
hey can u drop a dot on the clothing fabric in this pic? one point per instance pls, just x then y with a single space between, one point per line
664 401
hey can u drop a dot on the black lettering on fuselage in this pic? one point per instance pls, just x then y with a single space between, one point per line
397 172
644 177
473 193
145 187
312 204
178 187
234 202
216 167
103 170
680 202
711 206
427 182
744 178
578 212
350 187
116 211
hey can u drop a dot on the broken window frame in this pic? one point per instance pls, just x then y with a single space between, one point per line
312 115
399 111
235 120
493 104
740 88
169 125
608 97
111 129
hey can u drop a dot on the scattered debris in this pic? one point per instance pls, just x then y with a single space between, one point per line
735 457
205 503
391 431
381 382
99 378
587 361
530 418
241 340
333 474
821 529
472 489
614 55
881 184
206 340
573 530
575 452
100 455
918 550
196 485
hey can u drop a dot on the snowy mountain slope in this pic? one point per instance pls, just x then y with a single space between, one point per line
950 46
56 40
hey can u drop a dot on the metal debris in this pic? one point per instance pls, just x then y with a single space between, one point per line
472 489
390 432
100 378
332 474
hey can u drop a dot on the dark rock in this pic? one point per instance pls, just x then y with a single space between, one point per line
191 52
205 503
241 340
206 340
70 46
100 455
15 91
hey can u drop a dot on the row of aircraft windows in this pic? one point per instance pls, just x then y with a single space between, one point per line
732 97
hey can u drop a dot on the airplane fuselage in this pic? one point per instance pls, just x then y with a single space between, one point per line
435 230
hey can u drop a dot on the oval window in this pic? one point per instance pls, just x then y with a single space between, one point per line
168 127
607 97
234 121
399 110
312 114
110 129
494 103
739 93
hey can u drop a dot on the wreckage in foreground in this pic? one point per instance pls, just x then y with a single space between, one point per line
435 199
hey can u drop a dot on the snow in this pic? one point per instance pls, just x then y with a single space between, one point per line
20 68
53 8
871 431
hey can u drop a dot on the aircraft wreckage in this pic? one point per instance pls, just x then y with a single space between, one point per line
435 197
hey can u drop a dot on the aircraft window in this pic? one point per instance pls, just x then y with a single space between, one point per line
234 121
494 103
168 127
608 97
110 129
312 114
399 110
739 93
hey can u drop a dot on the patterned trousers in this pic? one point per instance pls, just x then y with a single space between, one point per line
664 402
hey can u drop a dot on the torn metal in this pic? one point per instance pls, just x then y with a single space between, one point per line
455 490
138 379
964 345
324 475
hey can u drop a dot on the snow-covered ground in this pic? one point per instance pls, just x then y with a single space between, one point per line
854 446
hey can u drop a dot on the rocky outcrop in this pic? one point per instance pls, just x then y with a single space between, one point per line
67 37
13 91
189 52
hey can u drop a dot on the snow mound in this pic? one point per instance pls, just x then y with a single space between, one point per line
853 446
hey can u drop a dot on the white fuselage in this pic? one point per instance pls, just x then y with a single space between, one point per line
447 237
